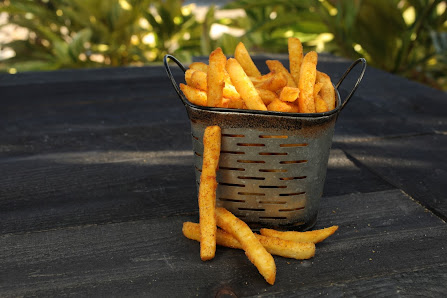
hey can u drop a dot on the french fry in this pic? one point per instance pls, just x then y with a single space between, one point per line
188 76
327 91
315 236
243 57
275 246
196 96
306 83
267 96
271 81
320 105
199 66
244 86
207 192
215 78
277 67
254 250
289 94
198 79
281 106
295 58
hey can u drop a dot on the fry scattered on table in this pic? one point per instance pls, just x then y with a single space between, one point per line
275 246
254 250
314 236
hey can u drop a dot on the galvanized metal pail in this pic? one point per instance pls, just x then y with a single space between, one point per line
272 165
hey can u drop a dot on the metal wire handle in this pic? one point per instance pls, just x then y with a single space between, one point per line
359 79
171 77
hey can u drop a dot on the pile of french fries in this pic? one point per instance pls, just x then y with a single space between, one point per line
234 232
237 83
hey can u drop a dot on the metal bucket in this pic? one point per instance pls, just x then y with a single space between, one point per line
272 165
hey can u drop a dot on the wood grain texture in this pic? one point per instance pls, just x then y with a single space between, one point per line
152 256
96 179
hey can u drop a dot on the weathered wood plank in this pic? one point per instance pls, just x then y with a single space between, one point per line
417 164
61 189
152 256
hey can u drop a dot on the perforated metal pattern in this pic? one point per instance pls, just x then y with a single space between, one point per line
269 177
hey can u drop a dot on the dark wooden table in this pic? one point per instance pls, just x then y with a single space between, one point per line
97 179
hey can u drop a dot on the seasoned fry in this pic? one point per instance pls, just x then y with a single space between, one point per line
267 96
295 58
289 94
275 246
320 104
309 236
281 106
243 57
277 67
244 86
327 91
198 80
188 76
251 245
196 96
306 83
207 192
199 66
271 81
215 78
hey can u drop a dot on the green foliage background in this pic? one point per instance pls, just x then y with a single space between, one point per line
406 37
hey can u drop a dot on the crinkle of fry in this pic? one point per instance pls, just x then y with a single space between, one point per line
314 236
277 67
275 246
306 83
254 250
215 78
243 57
207 192
295 58
244 86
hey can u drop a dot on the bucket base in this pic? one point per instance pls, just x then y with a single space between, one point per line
300 227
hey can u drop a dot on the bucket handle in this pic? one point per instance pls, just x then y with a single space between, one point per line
171 77
359 79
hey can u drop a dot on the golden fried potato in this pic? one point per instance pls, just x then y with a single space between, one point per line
277 67
289 94
215 78
244 86
309 236
199 66
267 96
281 106
275 246
250 244
196 96
271 81
243 57
207 192
327 91
306 83
198 80
295 58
